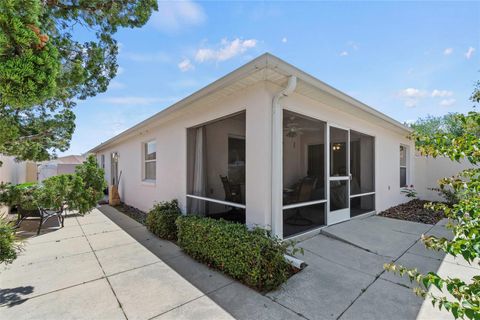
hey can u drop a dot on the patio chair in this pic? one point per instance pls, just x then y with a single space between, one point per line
233 192
303 193
46 214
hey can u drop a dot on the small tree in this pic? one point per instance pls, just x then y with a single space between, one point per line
80 191
464 217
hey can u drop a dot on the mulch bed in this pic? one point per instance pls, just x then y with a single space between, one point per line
414 211
132 212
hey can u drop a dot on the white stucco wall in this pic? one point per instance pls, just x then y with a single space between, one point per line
12 171
429 170
170 134
15 172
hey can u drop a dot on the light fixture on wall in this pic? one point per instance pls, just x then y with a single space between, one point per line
336 147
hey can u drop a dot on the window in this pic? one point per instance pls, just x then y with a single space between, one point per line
403 166
150 160
102 161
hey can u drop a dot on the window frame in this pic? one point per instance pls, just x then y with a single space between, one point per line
145 161
406 166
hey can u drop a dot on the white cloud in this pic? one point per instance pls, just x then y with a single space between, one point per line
173 16
226 50
284 39
469 52
411 103
447 102
441 93
147 57
448 51
343 53
353 45
185 65
132 100
114 84
412 96
412 93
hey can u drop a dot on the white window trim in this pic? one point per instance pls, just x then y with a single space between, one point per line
406 166
145 161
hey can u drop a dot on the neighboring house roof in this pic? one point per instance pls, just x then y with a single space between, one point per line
71 159
266 67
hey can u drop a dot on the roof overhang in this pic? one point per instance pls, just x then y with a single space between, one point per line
264 68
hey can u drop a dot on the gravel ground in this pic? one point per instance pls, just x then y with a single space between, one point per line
413 211
132 212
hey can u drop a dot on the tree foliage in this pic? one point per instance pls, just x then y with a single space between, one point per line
463 215
44 68
79 192
9 245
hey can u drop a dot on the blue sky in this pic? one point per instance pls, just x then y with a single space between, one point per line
406 59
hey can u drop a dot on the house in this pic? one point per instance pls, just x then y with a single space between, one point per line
268 145
60 165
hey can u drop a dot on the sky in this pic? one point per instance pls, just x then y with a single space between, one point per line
406 59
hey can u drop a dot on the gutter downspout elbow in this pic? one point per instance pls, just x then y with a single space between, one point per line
291 86
276 157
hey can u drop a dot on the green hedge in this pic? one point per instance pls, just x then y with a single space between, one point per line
252 257
161 219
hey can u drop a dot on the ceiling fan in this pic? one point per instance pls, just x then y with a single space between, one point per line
292 128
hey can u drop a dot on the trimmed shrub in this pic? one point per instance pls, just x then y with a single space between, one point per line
161 219
252 257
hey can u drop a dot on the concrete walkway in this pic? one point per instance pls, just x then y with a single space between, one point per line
345 277
107 266
92 269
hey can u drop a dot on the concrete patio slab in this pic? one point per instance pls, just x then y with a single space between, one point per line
131 272
111 239
244 303
53 250
48 276
125 257
149 291
384 300
140 234
420 249
322 284
92 217
344 254
200 309
93 300
424 265
398 225
163 249
198 274
441 231
383 238
99 227
55 235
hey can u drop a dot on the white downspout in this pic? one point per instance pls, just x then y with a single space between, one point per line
277 155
